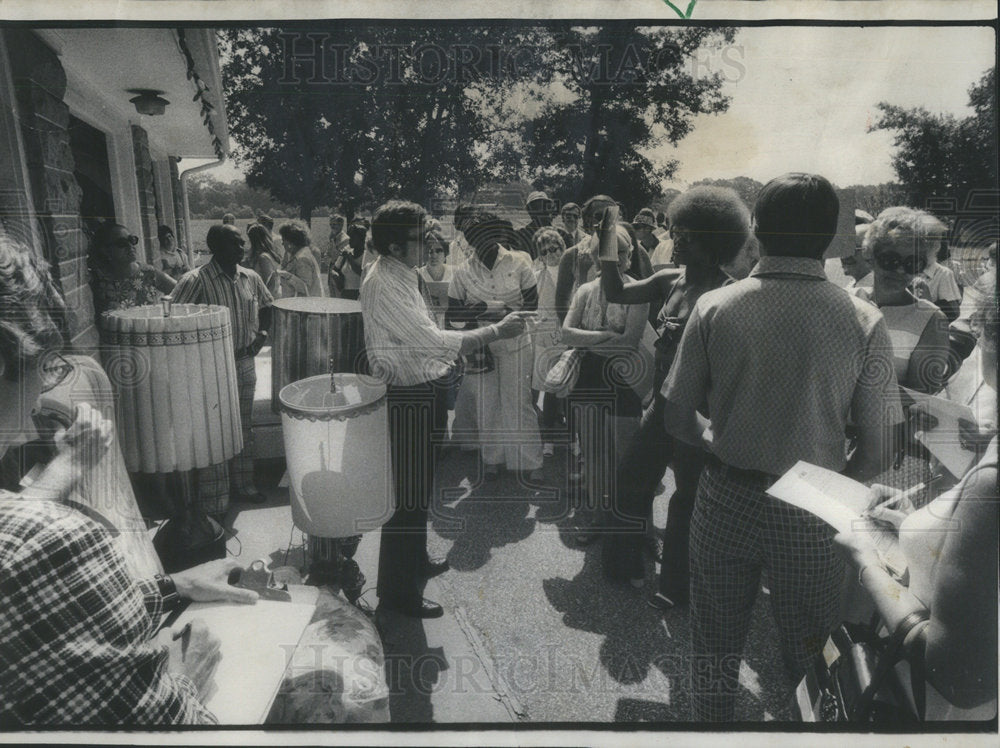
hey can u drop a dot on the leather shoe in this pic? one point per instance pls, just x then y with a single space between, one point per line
419 608
248 497
434 566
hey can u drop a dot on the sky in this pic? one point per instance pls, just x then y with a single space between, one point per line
802 99
806 96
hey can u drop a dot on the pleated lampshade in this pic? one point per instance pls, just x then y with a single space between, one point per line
175 381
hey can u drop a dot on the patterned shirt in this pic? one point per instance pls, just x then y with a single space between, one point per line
404 343
784 358
112 293
243 295
75 628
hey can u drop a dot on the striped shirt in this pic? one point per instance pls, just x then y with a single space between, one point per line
243 295
403 341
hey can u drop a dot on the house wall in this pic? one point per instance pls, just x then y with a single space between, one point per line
145 179
39 84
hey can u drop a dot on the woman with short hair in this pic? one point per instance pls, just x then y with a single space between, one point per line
604 407
117 279
172 260
304 277
709 227
950 546
896 245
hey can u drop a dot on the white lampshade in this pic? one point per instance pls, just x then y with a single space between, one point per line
337 450
175 380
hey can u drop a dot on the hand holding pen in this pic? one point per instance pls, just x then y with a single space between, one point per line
193 652
889 506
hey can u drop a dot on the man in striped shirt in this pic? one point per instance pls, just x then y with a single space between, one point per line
224 282
415 358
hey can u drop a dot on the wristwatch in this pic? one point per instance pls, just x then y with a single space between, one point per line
168 591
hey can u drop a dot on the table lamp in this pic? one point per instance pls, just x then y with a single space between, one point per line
174 374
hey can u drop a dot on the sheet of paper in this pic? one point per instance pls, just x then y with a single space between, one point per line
943 440
840 502
257 643
834 498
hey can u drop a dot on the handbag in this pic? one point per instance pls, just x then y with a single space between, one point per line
562 377
855 679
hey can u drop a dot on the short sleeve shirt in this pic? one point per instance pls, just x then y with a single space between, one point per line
244 296
502 285
784 359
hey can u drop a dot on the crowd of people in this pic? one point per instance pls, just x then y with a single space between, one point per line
705 339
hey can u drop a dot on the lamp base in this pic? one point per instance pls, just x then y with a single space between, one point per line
332 564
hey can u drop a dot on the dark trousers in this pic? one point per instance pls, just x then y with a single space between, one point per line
639 474
418 418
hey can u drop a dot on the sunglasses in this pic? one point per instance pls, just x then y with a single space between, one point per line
890 261
126 241
54 369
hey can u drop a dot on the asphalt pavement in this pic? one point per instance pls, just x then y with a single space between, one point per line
532 631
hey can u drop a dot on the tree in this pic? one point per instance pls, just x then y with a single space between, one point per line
210 198
600 100
939 156
745 187
350 114
354 114
874 198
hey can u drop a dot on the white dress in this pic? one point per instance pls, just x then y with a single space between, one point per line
548 335
508 427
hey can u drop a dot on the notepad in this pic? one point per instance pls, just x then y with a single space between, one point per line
257 644
943 440
839 501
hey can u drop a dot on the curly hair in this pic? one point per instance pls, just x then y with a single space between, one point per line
907 231
717 219
547 234
796 215
592 208
393 222
295 233
31 308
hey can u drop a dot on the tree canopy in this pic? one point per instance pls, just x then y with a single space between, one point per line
356 113
943 160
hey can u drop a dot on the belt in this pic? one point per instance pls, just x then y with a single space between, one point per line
741 475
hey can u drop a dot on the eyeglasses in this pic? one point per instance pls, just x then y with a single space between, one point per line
890 261
54 369
126 241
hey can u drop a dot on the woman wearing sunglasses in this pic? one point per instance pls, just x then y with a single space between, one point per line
896 246
118 280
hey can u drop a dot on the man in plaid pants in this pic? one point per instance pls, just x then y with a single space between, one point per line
224 282
782 360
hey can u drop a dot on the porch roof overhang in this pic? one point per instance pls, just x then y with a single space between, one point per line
183 63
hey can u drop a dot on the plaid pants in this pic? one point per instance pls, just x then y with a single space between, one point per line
214 481
736 531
